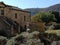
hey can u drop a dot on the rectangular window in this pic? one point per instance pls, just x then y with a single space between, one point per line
15 15
2 12
24 18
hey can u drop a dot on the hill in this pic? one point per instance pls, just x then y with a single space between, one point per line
34 11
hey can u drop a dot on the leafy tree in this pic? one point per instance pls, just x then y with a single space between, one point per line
43 16
56 13
35 18
41 19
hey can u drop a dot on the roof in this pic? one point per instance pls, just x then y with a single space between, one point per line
19 9
14 8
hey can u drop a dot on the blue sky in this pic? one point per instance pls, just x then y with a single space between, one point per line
31 3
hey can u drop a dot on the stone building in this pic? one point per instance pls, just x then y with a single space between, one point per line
14 16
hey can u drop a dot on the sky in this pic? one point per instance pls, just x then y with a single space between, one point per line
31 3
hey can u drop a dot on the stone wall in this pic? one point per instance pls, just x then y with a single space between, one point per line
22 16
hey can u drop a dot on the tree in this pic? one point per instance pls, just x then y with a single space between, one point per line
43 16
57 16
35 18
40 19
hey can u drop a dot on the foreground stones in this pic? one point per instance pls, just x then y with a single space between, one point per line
24 38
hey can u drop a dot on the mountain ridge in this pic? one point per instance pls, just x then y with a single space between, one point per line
34 11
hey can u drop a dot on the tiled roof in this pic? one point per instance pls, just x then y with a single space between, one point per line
14 8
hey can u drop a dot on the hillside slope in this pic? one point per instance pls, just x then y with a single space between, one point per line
37 10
